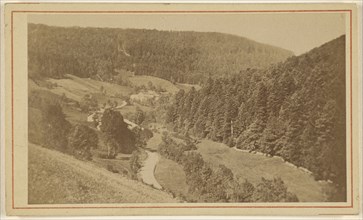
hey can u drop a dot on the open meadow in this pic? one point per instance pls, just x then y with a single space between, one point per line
253 167
171 177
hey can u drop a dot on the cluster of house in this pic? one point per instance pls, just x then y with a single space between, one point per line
144 97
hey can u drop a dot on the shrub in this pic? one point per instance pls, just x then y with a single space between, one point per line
55 127
273 191
81 140
106 156
111 168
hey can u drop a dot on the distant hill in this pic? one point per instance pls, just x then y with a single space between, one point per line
184 57
295 110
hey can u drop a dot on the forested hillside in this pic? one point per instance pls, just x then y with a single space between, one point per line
294 109
187 57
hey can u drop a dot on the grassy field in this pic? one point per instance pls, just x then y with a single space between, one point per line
253 167
34 120
157 82
32 85
75 116
120 165
75 88
132 109
56 178
171 176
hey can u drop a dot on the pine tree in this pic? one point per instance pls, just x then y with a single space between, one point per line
332 165
273 191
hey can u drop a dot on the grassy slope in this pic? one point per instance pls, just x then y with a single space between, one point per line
253 167
75 88
144 80
128 109
165 84
56 178
171 176
78 188
121 164
75 117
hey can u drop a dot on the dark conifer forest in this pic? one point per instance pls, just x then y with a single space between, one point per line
295 110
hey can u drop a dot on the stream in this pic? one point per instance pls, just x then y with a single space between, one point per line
147 170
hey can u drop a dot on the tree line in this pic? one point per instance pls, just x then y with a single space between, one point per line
294 109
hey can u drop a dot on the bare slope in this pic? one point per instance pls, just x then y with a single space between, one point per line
56 178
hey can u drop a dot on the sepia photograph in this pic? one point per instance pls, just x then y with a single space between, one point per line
184 107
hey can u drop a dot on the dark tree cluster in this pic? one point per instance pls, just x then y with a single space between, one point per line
119 139
295 110
49 127
176 56
218 184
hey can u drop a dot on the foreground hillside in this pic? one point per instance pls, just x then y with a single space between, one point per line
187 57
295 110
56 178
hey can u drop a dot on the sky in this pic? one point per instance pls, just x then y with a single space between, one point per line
297 32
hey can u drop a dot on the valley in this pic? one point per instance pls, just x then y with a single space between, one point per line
163 174
129 127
